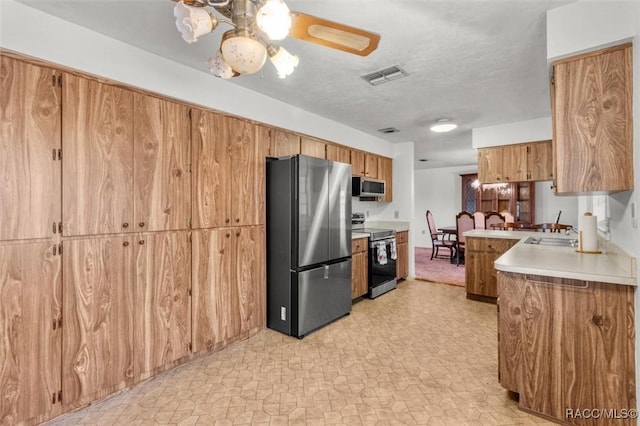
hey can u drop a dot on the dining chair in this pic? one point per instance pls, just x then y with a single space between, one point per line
464 222
478 218
552 227
438 239
508 217
493 218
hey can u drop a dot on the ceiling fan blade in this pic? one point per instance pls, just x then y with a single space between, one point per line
332 34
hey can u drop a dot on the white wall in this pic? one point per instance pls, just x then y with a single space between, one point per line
535 130
548 204
31 32
584 26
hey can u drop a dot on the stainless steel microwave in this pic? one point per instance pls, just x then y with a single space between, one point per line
365 187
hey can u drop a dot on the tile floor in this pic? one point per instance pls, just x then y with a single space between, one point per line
421 354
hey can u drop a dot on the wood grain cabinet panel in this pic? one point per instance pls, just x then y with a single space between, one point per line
162 298
539 161
359 267
338 153
229 171
385 173
98 312
402 251
97 139
481 280
284 143
162 152
30 120
30 311
357 163
229 285
313 147
593 122
490 165
371 166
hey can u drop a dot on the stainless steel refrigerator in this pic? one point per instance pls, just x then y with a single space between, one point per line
308 243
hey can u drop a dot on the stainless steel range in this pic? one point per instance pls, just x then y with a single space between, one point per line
382 256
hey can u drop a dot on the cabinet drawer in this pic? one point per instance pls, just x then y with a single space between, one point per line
359 245
402 237
492 245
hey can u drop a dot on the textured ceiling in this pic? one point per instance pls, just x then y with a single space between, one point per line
479 63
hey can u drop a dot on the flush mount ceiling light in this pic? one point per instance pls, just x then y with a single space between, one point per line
443 125
256 25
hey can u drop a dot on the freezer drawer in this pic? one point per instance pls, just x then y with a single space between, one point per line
323 295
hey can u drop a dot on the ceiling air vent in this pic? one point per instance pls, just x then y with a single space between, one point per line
388 130
385 75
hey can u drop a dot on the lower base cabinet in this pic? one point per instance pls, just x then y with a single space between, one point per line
402 252
30 313
567 345
480 276
359 267
229 285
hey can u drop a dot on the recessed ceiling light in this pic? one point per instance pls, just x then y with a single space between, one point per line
443 125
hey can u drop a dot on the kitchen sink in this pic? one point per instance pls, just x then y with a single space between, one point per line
550 241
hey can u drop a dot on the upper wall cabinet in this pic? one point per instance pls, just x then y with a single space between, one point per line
338 153
284 143
357 163
126 160
385 173
515 163
29 143
593 123
229 171
97 138
313 147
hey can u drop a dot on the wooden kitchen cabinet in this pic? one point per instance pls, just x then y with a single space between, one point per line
30 141
162 158
480 275
313 147
30 315
338 153
229 175
229 285
284 143
385 173
98 312
97 141
402 252
539 161
502 164
162 300
359 266
357 163
567 344
593 122
371 166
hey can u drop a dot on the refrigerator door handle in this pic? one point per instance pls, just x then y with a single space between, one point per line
326 272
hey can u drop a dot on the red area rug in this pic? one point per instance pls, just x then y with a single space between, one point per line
438 270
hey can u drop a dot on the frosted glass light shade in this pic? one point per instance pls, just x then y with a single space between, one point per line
284 61
274 19
244 54
219 67
443 126
192 22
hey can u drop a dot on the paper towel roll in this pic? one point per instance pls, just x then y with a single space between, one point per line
588 225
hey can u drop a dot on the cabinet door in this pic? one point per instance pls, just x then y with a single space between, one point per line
162 300
162 145
539 161
593 122
359 284
284 143
338 153
598 336
313 147
211 171
489 165
402 260
249 295
211 273
357 163
385 172
29 142
97 141
30 307
98 312
514 163
247 187
371 166
510 316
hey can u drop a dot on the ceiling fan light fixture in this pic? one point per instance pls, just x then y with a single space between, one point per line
219 67
283 61
443 125
274 19
242 52
192 22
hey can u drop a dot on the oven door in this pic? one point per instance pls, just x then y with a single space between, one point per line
381 272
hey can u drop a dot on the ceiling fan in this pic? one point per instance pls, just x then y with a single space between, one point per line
256 25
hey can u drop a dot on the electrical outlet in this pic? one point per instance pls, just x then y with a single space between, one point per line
396 214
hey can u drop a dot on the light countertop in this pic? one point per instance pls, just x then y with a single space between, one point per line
613 265
398 226
356 235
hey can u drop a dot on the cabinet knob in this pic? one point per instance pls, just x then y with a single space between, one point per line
237 234
141 224
141 242
228 235
125 225
126 243
237 220
226 221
